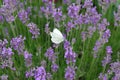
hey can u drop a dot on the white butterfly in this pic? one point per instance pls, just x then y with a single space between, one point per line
57 36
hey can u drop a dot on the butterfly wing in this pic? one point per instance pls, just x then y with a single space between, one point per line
56 31
57 36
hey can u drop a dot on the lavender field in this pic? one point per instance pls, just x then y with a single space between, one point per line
59 39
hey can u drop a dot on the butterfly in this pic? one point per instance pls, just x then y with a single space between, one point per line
56 36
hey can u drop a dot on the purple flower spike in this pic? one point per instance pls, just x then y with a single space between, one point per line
47 29
4 77
34 30
70 73
7 52
50 54
66 44
115 68
109 50
49 76
69 26
88 4
40 73
103 76
70 56
106 60
54 67
106 35
23 15
17 43
30 73
3 44
28 59
57 14
73 11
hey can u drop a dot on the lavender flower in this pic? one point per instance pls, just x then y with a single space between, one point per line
23 16
17 43
103 76
69 26
28 59
1 19
7 52
103 39
66 44
109 50
4 77
54 67
28 10
108 58
115 68
57 14
47 29
40 73
49 76
66 2
11 3
102 26
45 1
7 63
47 10
6 11
73 11
70 73
10 18
88 4
84 36
106 35
97 46
91 30
70 56
34 30
50 54
79 20
92 15
8 8
2 45
30 73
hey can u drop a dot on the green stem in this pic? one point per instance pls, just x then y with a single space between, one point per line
12 28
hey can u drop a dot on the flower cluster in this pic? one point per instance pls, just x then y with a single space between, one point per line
28 58
17 44
47 10
116 70
57 14
107 59
6 55
4 77
8 8
70 73
40 73
23 16
73 11
70 57
104 36
50 54
33 29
